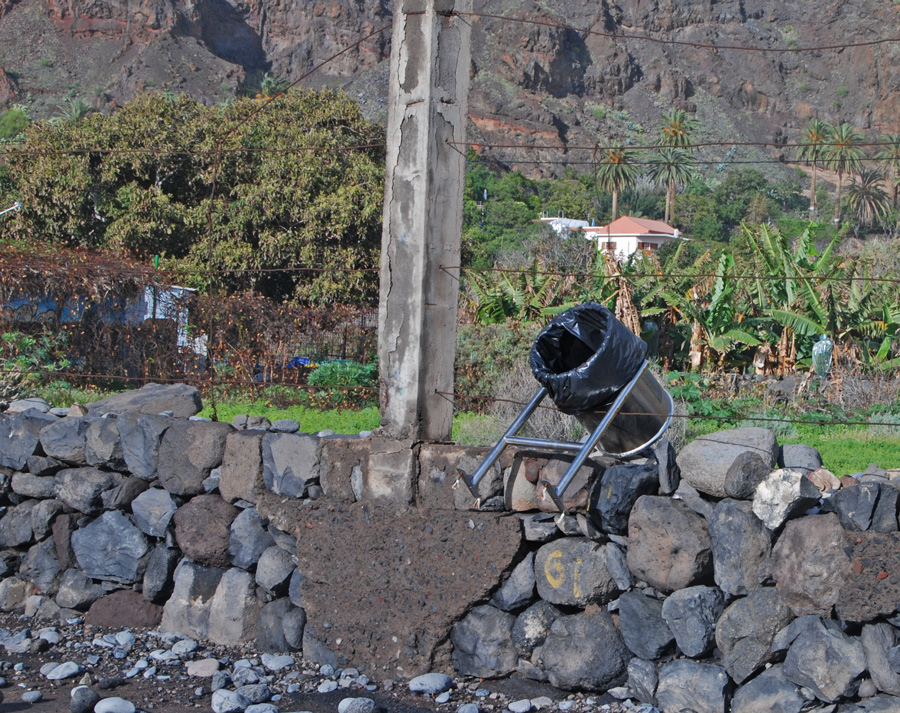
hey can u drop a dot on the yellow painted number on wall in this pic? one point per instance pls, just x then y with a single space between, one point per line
553 570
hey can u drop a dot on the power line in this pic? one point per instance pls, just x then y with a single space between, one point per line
680 43
676 275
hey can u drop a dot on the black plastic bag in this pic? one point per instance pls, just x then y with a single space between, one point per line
584 357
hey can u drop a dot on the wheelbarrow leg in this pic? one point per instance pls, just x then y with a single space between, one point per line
556 492
472 481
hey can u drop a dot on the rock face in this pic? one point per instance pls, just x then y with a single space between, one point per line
227 46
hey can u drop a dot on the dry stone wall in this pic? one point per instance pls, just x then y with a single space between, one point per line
736 575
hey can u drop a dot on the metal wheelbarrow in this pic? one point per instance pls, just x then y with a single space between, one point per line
595 369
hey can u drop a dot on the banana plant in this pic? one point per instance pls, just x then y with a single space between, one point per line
718 319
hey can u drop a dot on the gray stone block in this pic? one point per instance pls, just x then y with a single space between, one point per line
234 610
770 692
482 643
688 685
708 461
187 610
158 577
572 572
241 472
140 437
33 486
742 547
643 678
248 539
65 439
187 454
878 640
40 566
616 492
290 462
532 626
20 435
826 661
270 634
691 615
153 511
805 458
746 630
16 527
274 569
585 651
82 489
669 544
77 590
110 548
103 444
181 400
42 517
644 630
518 589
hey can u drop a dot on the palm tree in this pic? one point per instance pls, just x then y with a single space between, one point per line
867 198
615 173
890 154
671 167
811 152
676 128
843 154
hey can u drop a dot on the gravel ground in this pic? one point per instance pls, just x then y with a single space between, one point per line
150 671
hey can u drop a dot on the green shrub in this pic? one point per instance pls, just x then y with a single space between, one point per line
12 123
344 373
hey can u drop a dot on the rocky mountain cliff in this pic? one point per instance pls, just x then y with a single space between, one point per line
565 76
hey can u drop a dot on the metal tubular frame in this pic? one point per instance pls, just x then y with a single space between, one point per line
582 450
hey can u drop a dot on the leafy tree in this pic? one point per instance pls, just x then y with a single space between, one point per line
812 151
668 168
615 173
867 198
843 154
735 194
241 188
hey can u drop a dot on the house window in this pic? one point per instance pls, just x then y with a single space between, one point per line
608 245
647 246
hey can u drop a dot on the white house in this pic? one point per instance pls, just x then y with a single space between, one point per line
627 235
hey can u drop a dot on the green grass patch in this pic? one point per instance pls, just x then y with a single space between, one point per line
850 449
310 420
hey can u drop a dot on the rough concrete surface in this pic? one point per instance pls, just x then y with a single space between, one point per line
361 562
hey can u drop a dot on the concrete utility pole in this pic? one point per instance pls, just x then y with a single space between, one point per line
423 201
